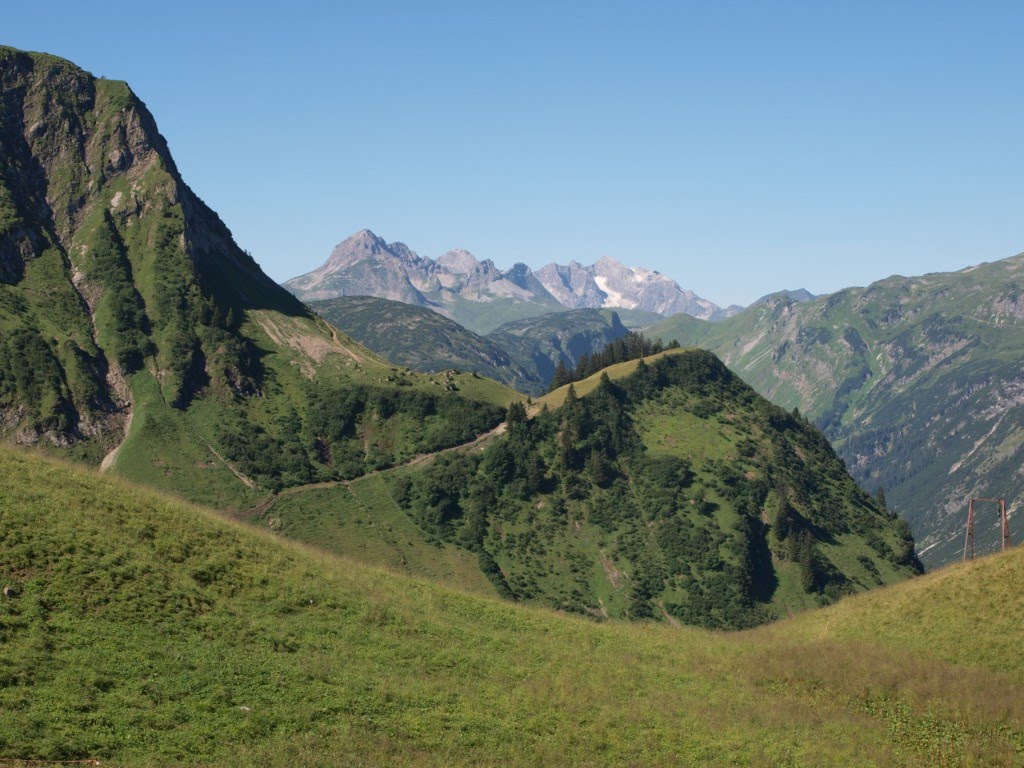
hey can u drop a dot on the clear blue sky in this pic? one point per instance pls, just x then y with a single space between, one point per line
739 147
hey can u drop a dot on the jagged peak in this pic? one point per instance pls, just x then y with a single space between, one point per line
362 244
458 261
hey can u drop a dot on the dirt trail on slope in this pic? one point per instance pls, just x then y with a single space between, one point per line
668 617
110 458
264 506
246 481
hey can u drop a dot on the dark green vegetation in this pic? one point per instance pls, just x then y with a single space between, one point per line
141 631
540 344
523 354
128 312
422 339
632 346
917 382
351 430
672 493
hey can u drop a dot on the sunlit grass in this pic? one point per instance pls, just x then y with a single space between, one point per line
140 630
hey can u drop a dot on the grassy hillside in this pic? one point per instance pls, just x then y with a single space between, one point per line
141 631
916 381
556 398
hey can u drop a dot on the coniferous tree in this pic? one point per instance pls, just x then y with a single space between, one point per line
516 413
880 499
808 578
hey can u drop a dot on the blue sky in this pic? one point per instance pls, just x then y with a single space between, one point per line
739 147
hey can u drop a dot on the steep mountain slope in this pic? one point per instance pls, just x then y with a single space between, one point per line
130 317
917 381
141 631
671 492
479 296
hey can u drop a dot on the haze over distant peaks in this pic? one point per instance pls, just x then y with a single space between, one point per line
800 295
481 296
608 283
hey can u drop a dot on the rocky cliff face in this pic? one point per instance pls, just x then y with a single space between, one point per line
109 263
608 283
481 296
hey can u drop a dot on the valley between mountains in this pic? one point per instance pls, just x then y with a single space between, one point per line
446 514
917 381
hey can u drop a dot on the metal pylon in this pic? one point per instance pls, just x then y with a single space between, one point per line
1004 524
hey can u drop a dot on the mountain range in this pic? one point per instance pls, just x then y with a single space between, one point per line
138 337
479 296
917 381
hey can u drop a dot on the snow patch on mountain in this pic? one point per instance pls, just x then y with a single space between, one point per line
613 297
364 264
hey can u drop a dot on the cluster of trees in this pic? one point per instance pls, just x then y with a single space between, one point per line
31 377
349 431
197 343
632 346
691 541
120 308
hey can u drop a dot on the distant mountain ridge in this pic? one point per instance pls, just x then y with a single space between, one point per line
480 296
798 295
608 284
522 354
917 381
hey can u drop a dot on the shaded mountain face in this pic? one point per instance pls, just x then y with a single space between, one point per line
480 296
522 354
109 263
135 334
421 339
917 381
541 344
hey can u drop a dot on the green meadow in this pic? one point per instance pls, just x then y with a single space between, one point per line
139 630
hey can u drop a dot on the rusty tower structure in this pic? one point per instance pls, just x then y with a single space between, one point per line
1004 523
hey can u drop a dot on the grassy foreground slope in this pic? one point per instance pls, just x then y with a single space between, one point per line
142 631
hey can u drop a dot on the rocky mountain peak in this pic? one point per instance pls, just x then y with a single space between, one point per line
365 265
458 261
363 244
